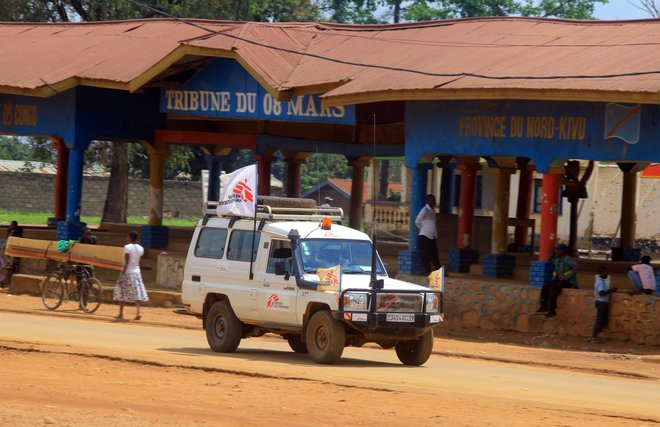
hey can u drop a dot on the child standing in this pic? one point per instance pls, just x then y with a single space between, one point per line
602 293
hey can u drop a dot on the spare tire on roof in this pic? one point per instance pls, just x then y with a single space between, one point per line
286 202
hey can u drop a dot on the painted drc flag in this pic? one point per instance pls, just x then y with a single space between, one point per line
623 122
239 195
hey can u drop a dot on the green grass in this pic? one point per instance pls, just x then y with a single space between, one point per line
41 218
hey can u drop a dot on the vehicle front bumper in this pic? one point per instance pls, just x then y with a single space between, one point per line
377 325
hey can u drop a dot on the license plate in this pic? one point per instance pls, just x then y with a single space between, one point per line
400 317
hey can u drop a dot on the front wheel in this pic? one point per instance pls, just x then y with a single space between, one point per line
326 338
223 329
415 352
52 291
91 295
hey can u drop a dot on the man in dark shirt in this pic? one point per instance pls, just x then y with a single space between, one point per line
14 230
87 237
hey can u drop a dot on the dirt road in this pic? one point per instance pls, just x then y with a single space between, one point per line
65 371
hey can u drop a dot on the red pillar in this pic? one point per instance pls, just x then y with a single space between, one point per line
61 180
525 192
549 215
293 166
466 205
264 163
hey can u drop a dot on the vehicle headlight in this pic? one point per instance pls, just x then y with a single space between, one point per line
356 301
432 303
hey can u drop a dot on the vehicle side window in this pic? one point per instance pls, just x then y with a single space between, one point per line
211 243
276 244
240 245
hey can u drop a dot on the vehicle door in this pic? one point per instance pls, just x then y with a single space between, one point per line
277 295
235 271
201 269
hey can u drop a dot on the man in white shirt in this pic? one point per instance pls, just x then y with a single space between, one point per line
642 276
426 223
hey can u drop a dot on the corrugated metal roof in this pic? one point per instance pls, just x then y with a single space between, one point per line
128 54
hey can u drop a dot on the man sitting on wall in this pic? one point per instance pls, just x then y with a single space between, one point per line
642 276
564 276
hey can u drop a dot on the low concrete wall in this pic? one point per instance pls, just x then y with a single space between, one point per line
493 306
34 192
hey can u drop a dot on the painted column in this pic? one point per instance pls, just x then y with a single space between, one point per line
265 171
156 180
215 168
74 185
410 261
525 194
466 204
293 167
59 211
628 202
446 190
70 228
549 215
500 233
357 192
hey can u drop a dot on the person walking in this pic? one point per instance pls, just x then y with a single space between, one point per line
564 276
129 287
14 230
426 223
602 293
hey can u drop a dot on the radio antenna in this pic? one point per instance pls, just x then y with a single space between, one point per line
374 283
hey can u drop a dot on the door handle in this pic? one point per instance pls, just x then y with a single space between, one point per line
266 285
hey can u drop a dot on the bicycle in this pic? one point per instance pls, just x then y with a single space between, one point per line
70 282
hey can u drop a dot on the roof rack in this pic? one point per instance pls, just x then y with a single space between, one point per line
282 209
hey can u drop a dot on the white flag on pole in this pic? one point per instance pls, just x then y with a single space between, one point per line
239 196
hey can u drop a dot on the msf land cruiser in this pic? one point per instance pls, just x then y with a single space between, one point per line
247 277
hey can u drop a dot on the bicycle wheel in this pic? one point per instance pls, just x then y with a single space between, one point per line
52 291
91 294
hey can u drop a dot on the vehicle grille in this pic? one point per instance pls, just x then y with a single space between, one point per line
399 303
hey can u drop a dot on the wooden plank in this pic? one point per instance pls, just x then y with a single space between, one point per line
97 255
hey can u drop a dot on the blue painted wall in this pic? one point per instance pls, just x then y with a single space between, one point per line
542 131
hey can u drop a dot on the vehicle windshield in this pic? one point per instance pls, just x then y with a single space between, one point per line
353 255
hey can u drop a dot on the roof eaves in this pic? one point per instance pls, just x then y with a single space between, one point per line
330 100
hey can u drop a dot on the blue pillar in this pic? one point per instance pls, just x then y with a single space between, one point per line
446 190
410 261
215 167
70 229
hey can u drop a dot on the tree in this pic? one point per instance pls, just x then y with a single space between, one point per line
322 166
423 10
648 6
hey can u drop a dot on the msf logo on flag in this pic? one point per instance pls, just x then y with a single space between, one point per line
244 191
329 279
238 197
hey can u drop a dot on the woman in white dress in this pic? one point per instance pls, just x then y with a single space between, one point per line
129 287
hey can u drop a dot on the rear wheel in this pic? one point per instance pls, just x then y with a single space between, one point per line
52 291
326 338
415 352
296 344
91 295
223 329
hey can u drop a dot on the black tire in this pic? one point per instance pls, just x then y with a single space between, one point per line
415 352
296 344
223 329
326 338
91 295
52 291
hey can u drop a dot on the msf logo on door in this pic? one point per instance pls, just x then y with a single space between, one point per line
244 191
275 303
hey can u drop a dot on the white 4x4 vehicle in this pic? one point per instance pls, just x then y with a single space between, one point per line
245 278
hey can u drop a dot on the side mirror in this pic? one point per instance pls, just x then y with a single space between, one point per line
281 270
282 253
